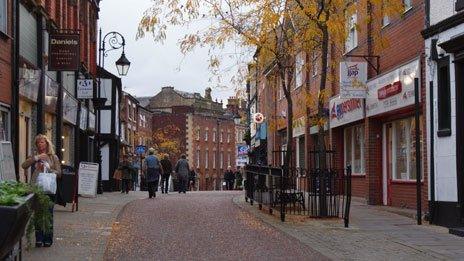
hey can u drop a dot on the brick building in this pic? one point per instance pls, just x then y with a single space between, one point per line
200 128
129 123
6 68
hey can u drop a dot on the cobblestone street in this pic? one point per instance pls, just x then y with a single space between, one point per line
199 226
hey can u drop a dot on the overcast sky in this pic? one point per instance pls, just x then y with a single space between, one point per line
153 65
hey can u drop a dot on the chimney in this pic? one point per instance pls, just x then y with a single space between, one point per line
208 94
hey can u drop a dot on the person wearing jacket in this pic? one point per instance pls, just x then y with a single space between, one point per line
44 160
229 178
126 168
152 169
182 169
167 167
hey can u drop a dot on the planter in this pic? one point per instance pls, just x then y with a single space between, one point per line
13 224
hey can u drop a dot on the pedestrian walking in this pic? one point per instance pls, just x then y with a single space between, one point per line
167 168
239 178
125 166
152 170
229 178
135 172
44 160
192 178
182 171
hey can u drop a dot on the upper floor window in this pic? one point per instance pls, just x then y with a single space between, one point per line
214 135
197 134
299 65
352 39
220 136
228 137
3 16
206 135
407 5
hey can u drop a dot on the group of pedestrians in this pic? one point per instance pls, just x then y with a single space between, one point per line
156 173
232 179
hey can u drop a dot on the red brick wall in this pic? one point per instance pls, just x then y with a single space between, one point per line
5 59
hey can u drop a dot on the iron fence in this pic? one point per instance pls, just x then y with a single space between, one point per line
318 193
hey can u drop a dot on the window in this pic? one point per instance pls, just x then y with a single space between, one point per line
214 135
403 151
459 5
314 61
220 136
228 159
385 20
4 16
197 133
352 39
221 159
444 97
407 5
299 65
206 159
214 159
206 135
354 149
228 137
198 158
4 124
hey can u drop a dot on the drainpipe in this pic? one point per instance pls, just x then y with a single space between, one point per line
15 87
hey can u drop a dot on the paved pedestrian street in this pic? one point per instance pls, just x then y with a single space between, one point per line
199 226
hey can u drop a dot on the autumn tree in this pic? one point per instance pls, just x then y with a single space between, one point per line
276 29
166 140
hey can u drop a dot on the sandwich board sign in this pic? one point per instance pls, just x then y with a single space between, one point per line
88 177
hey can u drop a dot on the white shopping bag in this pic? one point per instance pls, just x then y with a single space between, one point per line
47 182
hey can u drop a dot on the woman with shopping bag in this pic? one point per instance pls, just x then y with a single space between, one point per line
46 168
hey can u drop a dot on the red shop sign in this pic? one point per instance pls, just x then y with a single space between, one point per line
389 90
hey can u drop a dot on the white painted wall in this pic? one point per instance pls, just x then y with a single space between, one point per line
445 147
440 10
105 151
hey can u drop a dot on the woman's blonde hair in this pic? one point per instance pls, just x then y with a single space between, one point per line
50 147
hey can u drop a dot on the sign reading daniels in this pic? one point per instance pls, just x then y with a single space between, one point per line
63 52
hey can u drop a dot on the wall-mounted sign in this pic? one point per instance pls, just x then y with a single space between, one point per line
85 89
353 78
393 90
29 81
343 111
83 119
70 106
63 51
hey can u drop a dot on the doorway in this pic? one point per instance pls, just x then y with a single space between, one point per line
388 162
24 145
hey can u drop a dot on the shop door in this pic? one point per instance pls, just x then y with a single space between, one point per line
388 161
24 148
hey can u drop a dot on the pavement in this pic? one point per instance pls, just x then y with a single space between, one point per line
375 233
199 226
221 225
83 235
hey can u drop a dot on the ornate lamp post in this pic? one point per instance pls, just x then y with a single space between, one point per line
115 41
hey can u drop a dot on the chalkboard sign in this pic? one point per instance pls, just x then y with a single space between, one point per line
7 168
88 176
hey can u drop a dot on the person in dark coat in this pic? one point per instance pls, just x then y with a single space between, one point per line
229 178
192 178
126 168
152 171
182 170
167 167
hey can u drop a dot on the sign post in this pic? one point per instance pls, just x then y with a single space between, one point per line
88 175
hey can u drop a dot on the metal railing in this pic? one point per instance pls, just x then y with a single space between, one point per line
317 193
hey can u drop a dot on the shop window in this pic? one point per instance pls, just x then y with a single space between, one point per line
354 149
444 98
403 152
4 16
4 125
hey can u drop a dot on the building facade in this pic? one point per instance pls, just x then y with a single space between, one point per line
129 123
6 68
444 43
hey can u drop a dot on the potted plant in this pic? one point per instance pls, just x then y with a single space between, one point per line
18 202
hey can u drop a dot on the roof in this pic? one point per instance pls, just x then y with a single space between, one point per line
144 101
188 95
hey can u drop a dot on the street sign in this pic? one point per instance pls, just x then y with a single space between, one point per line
84 89
140 149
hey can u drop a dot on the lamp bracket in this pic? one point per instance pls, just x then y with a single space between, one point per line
375 66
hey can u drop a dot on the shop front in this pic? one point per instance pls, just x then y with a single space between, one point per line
70 108
391 138
347 131
51 97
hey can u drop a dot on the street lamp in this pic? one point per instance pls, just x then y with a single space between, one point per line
115 41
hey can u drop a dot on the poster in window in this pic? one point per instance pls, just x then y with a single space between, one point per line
29 81
70 106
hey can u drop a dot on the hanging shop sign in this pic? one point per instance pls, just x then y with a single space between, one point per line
85 89
242 150
51 93
140 149
299 126
70 106
258 117
63 51
393 90
353 79
344 111
83 119
29 81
